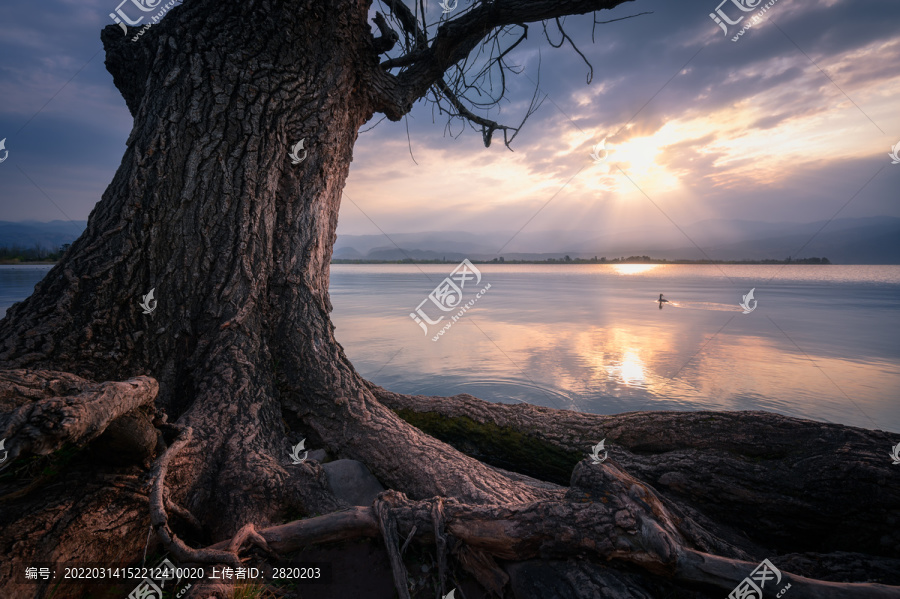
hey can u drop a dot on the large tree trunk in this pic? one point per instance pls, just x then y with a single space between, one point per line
239 355
208 210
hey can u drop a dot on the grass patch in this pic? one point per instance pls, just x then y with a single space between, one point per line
252 590
503 447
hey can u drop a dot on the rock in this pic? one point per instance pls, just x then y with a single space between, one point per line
352 482
319 455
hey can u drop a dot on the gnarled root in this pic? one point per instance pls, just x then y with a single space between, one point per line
756 479
43 410
160 521
620 526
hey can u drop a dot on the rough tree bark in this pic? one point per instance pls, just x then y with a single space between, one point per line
239 354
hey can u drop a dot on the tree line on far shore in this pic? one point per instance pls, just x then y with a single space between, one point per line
594 260
15 254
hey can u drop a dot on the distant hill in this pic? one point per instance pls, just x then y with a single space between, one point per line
874 240
877 243
49 235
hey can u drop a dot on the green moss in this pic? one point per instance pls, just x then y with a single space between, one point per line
503 447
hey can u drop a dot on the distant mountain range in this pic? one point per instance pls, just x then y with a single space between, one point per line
49 235
873 240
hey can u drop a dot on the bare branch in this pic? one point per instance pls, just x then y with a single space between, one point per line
566 38
408 23
389 37
596 22
373 126
488 126
408 140
453 48
455 39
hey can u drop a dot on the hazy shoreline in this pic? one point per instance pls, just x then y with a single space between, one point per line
812 261
809 261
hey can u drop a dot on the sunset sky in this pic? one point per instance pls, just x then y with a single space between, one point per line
793 122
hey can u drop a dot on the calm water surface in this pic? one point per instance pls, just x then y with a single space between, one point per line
823 342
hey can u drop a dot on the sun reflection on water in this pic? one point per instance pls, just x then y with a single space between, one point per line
630 370
633 269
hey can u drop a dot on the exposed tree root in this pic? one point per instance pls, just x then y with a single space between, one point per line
440 540
37 421
601 531
606 515
388 526
160 521
245 534
754 479
184 514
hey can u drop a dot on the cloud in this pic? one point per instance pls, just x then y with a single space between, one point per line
698 125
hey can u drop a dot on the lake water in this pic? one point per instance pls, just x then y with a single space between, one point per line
822 343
